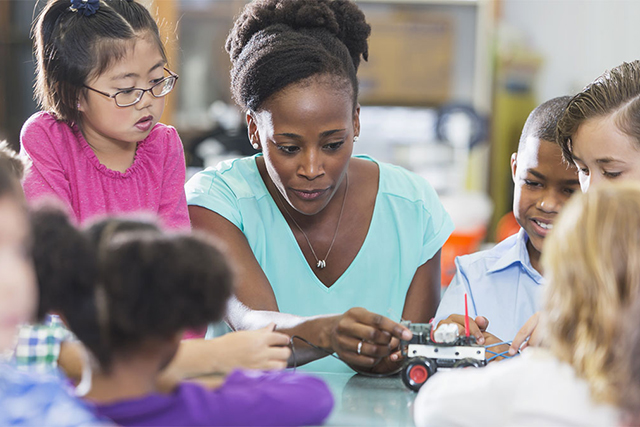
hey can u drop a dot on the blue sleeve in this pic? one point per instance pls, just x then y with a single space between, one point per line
27 399
208 189
271 398
453 300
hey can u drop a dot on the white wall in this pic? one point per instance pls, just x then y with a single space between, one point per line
578 39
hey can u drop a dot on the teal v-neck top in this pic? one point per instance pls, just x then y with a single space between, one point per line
409 225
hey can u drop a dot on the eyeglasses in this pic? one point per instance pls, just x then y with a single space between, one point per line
129 97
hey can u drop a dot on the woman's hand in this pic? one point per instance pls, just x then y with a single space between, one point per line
530 331
362 338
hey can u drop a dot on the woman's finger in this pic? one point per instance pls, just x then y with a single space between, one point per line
380 322
363 331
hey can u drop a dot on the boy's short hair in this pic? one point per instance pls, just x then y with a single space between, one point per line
543 121
13 162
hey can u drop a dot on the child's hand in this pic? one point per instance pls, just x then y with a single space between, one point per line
261 349
489 339
530 331
477 326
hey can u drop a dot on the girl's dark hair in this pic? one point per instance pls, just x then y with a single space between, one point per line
71 47
275 43
64 261
147 285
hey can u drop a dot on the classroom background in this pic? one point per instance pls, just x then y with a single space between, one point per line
446 90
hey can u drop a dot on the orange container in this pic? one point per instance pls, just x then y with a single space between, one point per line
507 226
459 243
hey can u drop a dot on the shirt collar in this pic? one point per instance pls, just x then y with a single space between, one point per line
517 253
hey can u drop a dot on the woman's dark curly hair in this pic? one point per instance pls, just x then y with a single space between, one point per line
276 43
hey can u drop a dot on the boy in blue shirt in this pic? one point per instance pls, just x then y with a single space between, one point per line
503 284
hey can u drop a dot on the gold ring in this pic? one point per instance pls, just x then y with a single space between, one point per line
359 351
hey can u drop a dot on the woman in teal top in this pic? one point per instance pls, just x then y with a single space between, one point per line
312 231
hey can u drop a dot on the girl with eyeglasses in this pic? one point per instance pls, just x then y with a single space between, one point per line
97 146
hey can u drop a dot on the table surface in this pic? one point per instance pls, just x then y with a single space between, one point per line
361 400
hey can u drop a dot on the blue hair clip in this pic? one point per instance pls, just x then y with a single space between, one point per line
87 7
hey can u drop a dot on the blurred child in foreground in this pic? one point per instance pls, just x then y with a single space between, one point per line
25 399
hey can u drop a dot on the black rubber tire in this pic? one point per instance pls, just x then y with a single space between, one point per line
467 363
417 371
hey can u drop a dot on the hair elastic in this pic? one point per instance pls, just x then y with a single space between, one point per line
87 7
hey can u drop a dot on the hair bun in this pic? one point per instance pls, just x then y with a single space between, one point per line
341 18
354 30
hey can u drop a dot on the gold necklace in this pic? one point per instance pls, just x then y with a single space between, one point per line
320 263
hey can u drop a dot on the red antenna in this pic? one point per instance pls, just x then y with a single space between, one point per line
466 317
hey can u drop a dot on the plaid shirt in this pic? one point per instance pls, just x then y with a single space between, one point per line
38 345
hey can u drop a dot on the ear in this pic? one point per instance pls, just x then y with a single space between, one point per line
252 131
356 121
514 165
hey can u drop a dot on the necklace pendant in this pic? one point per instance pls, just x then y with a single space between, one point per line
321 264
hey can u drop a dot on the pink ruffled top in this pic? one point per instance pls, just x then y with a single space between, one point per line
64 167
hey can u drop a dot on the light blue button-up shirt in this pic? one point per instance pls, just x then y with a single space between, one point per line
500 284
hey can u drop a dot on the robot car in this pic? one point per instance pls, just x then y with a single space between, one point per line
429 351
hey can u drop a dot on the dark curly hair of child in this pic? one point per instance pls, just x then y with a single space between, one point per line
64 261
147 285
276 43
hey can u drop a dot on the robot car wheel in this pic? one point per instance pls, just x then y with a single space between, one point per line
417 371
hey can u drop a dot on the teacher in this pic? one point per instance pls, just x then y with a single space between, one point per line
313 231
